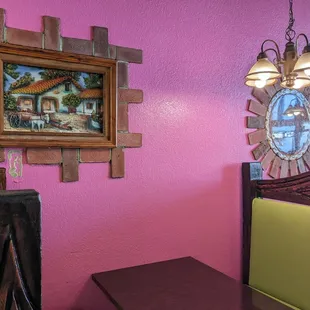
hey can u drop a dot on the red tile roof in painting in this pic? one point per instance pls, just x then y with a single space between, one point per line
43 86
95 93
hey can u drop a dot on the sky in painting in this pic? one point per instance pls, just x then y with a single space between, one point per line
35 73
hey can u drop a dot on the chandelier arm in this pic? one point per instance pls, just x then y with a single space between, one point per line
277 50
305 37
302 35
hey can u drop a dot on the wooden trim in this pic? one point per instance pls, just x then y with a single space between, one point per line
250 172
284 172
2 24
101 41
2 179
257 108
2 155
260 150
293 167
267 160
130 95
275 167
261 96
270 90
117 163
11 49
51 33
257 136
70 165
257 122
1 99
24 37
78 46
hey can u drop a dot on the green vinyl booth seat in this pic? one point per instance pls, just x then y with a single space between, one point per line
280 251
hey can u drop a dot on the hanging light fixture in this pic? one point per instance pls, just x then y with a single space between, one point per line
292 71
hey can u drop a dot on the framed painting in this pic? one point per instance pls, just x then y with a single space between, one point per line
56 99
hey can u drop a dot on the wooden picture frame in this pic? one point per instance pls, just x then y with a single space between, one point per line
35 115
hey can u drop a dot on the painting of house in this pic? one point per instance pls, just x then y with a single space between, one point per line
91 100
52 100
46 96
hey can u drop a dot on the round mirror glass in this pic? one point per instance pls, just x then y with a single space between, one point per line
287 124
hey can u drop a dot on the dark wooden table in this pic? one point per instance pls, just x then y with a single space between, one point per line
179 284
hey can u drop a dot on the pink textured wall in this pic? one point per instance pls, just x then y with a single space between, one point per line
181 194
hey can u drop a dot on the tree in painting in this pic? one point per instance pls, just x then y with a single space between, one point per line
93 81
10 69
9 102
25 80
72 101
50 74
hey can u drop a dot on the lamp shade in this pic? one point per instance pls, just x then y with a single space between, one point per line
303 63
263 69
259 83
301 81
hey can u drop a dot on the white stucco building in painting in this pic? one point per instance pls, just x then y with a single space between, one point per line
46 96
91 100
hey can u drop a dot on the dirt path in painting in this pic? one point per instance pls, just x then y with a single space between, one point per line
76 122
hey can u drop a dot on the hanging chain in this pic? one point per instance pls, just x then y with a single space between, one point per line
290 32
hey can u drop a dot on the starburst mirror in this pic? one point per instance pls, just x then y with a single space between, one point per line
282 123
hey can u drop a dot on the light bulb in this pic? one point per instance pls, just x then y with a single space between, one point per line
296 113
260 83
264 76
298 84
307 71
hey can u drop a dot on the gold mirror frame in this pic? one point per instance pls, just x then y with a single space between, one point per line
275 163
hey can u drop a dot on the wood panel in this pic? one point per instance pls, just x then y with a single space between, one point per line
270 90
257 122
275 168
260 150
2 24
24 37
269 157
129 54
2 155
257 136
256 108
20 247
101 42
44 156
284 172
261 96
51 33
301 165
293 168
70 165
2 179
117 163
95 155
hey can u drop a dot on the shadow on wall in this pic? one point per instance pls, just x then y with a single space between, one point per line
91 297
206 226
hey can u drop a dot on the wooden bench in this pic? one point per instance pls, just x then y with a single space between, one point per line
276 236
